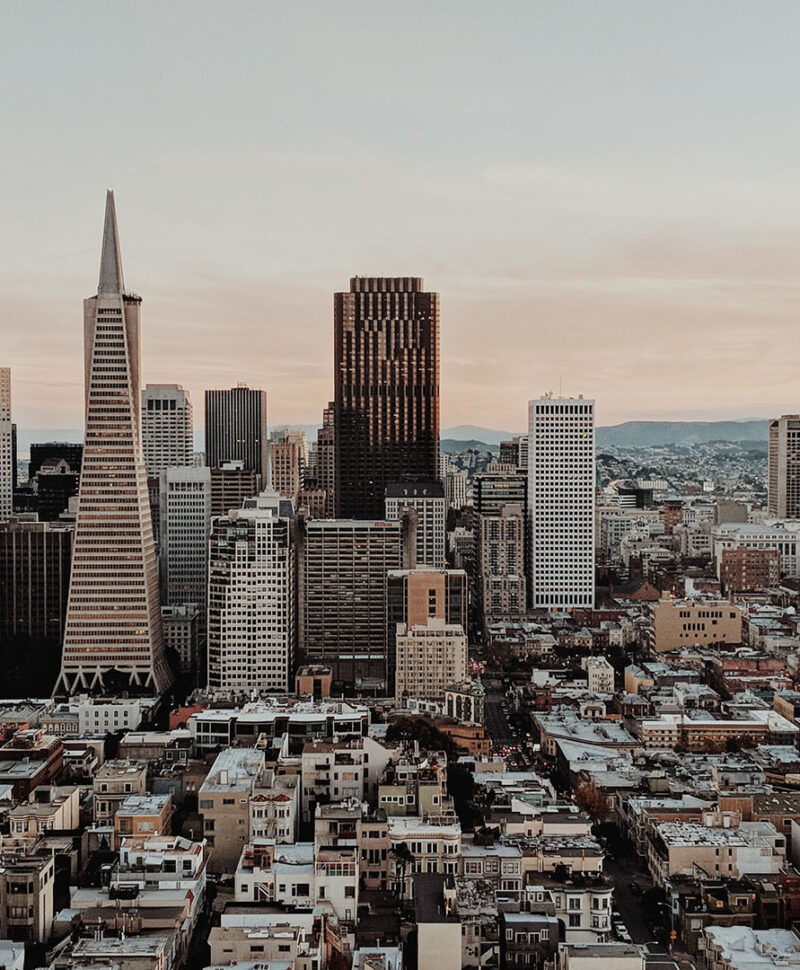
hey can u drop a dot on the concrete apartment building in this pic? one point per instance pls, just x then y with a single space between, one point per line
600 675
428 500
114 782
684 623
430 657
143 815
783 476
26 896
224 803
679 848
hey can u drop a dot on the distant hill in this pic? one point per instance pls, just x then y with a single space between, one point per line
452 446
471 432
641 434
633 434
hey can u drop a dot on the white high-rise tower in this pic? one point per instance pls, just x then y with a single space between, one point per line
167 433
6 446
113 613
561 483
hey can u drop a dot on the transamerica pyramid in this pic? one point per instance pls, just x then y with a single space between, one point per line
113 613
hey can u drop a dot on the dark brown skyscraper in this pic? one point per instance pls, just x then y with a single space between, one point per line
386 350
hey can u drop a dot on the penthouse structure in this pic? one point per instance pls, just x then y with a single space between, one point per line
113 612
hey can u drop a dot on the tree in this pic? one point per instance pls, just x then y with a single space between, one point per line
591 800
403 858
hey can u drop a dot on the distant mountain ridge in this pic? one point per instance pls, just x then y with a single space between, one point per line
643 434
631 434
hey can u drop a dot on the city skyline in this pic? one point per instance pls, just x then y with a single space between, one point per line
609 234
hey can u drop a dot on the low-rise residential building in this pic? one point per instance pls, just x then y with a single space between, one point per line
224 803
717 847
114 782
26 895
143 815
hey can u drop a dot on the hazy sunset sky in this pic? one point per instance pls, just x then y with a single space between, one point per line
602 192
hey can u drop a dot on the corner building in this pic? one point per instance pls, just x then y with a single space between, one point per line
113 611
386 395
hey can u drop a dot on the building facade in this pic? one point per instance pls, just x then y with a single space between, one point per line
430 658
342 597
113 611
783 479
35 559
185 526
236 428
251 594
6 446
386 380
561 492
429 502
167 429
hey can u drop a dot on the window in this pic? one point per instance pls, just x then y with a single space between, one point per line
574 919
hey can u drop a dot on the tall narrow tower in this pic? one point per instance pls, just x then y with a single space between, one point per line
386 389
6 446
113 624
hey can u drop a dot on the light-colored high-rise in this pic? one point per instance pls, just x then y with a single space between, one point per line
113 611
561 488
251 627
185 497
167 432
430 657
427 499
501 561
784 467
6 446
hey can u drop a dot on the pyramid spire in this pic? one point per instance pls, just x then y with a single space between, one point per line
111 282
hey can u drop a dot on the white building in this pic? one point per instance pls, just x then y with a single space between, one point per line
435 848
167 433
428 499
108 715
561 490
429 658
600 674
251 625
6 450
455 489
185 524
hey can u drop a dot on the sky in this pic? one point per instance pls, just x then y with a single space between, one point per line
606 195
